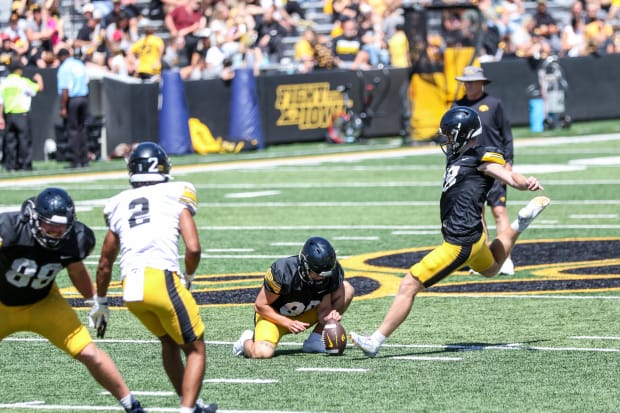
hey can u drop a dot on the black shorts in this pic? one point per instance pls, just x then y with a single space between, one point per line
497 195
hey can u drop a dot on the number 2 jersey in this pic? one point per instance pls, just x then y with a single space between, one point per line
296 296
27 269
464 193
147 221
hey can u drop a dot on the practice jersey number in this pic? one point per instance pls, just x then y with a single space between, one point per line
139 208
450 177
25 272
296 308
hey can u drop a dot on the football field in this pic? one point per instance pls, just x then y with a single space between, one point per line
546 339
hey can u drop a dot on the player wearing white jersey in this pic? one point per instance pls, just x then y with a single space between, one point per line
147 222
144 227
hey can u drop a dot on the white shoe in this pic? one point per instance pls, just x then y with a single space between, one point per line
508 268
238 346
365 343
529 212
314 344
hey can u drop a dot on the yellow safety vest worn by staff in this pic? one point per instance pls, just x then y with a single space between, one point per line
16 93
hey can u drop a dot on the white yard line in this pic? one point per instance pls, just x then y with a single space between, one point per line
331 370
352 238
461 347
242 381
593 216
595 338
229 249
312 185
40 405
422 358
251 164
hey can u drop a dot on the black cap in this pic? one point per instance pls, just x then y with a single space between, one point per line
15 64
63 53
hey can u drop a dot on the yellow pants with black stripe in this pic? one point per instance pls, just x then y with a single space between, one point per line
447 258
168 308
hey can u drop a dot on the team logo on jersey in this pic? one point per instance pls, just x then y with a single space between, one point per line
483 108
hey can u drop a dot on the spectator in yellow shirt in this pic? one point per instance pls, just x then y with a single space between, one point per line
304 50
148 51
398 45
598 33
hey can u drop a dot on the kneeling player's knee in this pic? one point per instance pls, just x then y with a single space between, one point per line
262 350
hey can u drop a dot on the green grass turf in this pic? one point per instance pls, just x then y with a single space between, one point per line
492 353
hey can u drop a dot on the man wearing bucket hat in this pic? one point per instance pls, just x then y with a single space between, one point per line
496 132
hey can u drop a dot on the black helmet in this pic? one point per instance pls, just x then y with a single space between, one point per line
459 125
148 164
317 255
52 206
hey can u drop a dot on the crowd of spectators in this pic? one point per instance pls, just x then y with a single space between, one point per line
590 28
210 38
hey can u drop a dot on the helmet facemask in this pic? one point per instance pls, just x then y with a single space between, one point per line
459 126
51 216
304 271
317 256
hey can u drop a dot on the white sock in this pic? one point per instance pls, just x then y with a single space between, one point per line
515 226
127 401
378 337
186 410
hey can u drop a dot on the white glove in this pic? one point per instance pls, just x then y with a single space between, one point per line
99 315
187 280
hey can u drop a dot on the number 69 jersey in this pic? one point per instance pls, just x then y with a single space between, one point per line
147 221
27 269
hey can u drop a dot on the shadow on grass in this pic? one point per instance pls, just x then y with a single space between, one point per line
452 348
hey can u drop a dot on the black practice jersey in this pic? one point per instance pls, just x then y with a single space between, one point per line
464 194
496 131
296 296
27 269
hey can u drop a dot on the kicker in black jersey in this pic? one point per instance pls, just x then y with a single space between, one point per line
464 194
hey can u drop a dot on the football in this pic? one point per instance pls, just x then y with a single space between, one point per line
334 337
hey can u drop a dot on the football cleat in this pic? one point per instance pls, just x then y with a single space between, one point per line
365 343
529 212
508 268
101 329
314 344
202 408
136 407
238 346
